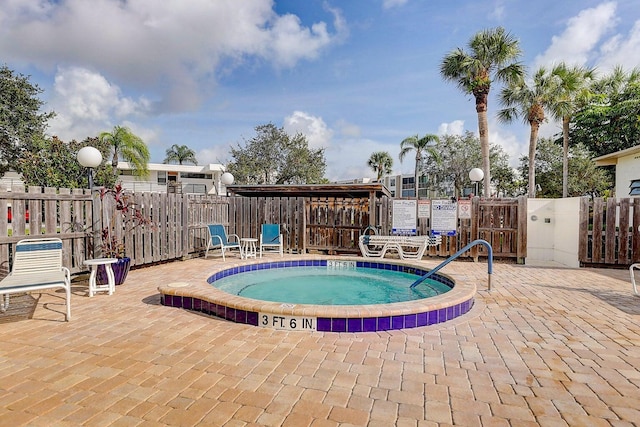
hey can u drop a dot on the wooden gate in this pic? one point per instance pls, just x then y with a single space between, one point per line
334 224
609 231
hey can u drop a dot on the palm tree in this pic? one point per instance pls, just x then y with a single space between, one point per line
180 154
381 162
529 102
492 57
572 90
420 146
128 146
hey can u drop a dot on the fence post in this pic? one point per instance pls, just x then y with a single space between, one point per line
521 251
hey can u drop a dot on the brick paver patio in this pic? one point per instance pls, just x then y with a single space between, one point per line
546 346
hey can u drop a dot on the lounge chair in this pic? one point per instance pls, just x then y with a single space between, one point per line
633 278
407 247
37 265
270 238
218 240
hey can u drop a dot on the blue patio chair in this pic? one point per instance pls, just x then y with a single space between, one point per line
270 238
218 240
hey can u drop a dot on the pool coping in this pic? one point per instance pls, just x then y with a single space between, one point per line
204 297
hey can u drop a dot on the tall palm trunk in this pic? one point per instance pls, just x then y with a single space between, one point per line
533 140
483 130
565 156
415 172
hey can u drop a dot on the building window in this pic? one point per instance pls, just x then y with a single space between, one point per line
634 187
162 177
193 175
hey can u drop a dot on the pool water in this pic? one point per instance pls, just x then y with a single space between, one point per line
327 286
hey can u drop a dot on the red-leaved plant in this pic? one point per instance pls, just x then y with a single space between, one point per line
132 217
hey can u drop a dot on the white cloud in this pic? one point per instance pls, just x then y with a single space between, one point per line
498 11
388 4
348 130
173 47
456 127
86 104
583 32
215 154
314 128
621 51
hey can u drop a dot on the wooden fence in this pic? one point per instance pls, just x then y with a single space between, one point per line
609 232
178 228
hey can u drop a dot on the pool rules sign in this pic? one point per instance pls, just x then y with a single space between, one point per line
444 218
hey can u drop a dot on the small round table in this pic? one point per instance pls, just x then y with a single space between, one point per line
248 247
93 286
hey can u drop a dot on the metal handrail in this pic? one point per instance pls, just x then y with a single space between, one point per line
456 255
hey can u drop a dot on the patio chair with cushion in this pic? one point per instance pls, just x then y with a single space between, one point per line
270 238
37 265
218 240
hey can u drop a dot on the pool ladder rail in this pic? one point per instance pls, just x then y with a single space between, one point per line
456 255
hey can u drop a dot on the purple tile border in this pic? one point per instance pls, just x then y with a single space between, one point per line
325 324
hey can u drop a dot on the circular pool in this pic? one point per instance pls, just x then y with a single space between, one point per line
426 310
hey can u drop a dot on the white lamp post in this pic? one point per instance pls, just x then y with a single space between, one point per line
476 175
226 179
90 158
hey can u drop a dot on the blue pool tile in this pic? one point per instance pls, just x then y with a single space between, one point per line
432 317
370 324
324 324
339 324
397 322
354 325
384 323
422 319
252 318
187 302
449 313
231 313
221 311
410 321
197 304
241 316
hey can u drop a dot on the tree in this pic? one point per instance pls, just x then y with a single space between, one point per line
124 144
421 146
609 121
584 178
180 154
492 57
571 92
20 118
529 102
461 153
274 157
52 162
381 162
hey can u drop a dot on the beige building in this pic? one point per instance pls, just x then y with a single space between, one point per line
627 163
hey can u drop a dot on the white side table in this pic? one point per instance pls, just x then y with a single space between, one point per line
93 286
248 247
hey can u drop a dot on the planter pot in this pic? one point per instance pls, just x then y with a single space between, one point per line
120 271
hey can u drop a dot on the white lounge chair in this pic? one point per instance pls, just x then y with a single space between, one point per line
37 265
407 247
270 238
218 240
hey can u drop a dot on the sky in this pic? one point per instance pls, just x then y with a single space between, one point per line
354 76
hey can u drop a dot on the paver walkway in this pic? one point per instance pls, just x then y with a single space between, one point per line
545 346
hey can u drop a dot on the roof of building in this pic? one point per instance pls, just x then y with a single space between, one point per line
311 190
612 158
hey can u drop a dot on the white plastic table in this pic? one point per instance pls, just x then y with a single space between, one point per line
248 247
110 287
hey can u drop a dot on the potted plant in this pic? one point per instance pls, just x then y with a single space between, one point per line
120 217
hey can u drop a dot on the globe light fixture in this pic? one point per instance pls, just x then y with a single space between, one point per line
227 178
90 158
476 175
